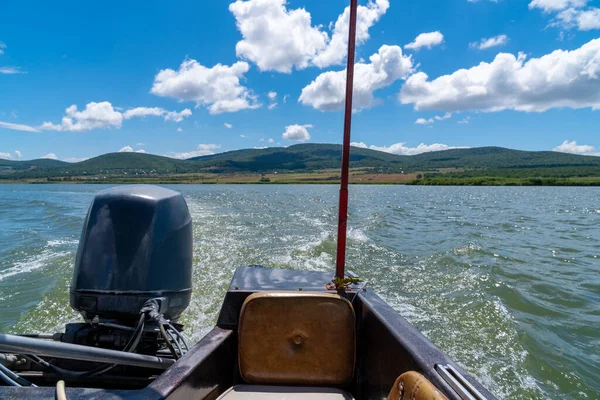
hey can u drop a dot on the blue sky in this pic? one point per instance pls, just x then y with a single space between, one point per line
180 79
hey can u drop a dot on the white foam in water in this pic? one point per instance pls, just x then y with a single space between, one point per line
62 242
32 264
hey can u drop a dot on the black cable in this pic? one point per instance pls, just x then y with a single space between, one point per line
174 340
180 336
169 345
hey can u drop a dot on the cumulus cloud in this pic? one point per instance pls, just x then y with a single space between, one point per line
276 38
486 43
574 148
358 144
8 156
217 88
94 116
337 48
296 133
400 148
428 40
11 70
270 141
556 5
328 91
559 79
157 112
272 95
423 121
202 150
18 127
228 126
428 121
569 14
126 149
50 156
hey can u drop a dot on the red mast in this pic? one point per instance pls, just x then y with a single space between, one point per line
343 210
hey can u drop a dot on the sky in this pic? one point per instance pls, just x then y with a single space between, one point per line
189 78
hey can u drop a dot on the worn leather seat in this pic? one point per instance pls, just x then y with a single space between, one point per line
414 386
295 345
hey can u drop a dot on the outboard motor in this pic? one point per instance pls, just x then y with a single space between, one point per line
136 244
132 280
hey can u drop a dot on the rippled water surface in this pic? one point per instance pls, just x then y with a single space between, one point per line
505 280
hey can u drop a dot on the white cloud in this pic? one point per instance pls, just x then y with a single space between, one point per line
202 150
9 156
141 151
243 136
400 148
285 98
272 106
275 38
272 95
559 79
50 156
256 148
157 112
279 39
423 121
464 121
296 133
18 127
126 149
217 88
261 139
582 19
556 5
428 40
327 92
179 130
570 14
443 117
143 112
95 116
486 43
11 70
574 148
140 144
337 48
228 126
359 145
270 140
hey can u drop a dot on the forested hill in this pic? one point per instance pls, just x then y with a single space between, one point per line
306 158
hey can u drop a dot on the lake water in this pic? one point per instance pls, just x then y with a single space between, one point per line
505 280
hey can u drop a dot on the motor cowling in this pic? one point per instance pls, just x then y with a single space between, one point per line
136 244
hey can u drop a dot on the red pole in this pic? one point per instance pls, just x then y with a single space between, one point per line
343 210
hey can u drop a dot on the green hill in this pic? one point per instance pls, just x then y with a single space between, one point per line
309 158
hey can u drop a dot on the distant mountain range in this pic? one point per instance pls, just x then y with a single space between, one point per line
310 158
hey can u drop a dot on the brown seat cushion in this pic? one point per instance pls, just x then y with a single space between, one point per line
414 386
297 338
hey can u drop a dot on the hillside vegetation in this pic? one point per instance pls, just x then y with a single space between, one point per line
484 165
